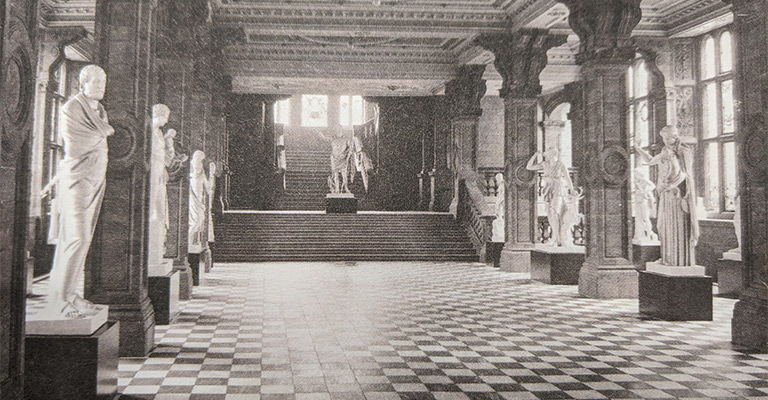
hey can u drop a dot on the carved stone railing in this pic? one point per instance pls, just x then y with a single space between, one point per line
487 177
470 215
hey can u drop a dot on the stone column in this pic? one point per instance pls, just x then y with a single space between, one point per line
116 273
464 94
750 315
520 58
604 29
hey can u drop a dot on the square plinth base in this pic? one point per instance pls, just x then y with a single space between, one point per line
340 203
164 295
194 266
644 253
675 297
493 253
40 323
161 268
557 265
730 280
72 367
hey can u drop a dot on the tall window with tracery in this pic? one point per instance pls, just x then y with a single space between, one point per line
718 122
638 109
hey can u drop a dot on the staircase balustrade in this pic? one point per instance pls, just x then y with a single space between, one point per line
471 217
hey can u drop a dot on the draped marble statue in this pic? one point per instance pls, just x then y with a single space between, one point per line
561 198
340 156
677 220
163 154
645 204
198 204
211 199
498 223
80 185
360 160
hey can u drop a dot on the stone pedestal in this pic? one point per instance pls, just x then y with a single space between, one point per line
608 281
493 253
72 367
557 265
645 252
194 267
39 323
730 279
515 260
185 282
162 268
675 293
164 295
340 203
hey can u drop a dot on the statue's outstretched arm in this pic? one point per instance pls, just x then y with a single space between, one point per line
533 165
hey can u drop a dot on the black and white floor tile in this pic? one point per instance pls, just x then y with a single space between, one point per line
418 330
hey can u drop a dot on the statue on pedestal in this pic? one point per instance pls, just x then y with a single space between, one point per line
498 223
677 217
737 224
645 204
559 194
360 160
163 154
340 156
198 204
80 184
211 199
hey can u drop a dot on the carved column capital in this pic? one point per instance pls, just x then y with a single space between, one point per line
466 90
604 28
520 58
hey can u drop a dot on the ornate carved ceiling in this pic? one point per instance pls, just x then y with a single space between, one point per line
389 47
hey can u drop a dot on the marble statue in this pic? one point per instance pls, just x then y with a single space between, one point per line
561 198
80 185
362 163
498 223
163 154
211 199
340 156
677 220
645 203
198 203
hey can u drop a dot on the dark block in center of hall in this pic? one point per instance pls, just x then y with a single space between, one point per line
65 367
340 203
675 298
556 267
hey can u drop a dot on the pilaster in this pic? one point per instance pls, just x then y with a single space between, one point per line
604 29
520 58
116 273
750 315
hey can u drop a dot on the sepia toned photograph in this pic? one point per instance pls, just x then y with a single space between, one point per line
383 199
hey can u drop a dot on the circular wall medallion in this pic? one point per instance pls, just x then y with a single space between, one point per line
521 175
614 165
753 150
18 86
123 143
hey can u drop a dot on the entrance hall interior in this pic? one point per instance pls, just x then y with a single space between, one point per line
545 199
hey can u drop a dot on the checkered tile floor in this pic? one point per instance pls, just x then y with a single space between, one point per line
420 330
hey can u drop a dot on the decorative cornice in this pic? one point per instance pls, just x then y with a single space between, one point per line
520 58
466 90
248 52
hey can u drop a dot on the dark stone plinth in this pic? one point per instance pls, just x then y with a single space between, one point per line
675 298
340 203
644 253
72 367
194 266
164 295
557 266
493 253
730 280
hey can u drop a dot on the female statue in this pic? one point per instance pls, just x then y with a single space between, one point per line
559 195
677 221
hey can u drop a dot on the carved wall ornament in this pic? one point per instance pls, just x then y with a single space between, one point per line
466 91
614 165
683 64
126 140
18 86
753 150
522 176
684 105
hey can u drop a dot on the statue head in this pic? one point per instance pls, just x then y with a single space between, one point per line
669 134
160 115
93 82
196 165
212 168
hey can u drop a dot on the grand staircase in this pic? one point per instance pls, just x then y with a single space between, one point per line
280 236
306 181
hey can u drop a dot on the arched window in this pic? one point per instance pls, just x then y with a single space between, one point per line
351 110
718 122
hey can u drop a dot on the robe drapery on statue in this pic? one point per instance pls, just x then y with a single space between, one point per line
198 204
79 191
677 221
